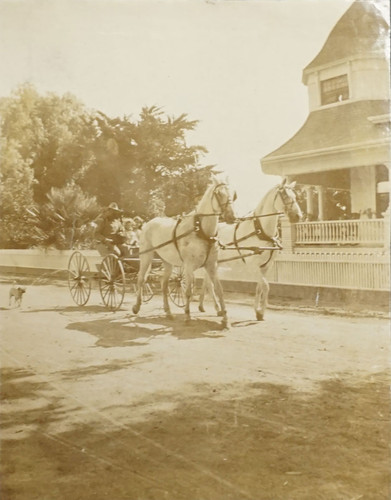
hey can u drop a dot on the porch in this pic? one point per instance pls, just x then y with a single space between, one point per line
349 254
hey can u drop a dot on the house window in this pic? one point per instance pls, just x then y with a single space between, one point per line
335 89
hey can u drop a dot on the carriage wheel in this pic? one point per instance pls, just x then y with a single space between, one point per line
112 282
177 287
147 292
79 278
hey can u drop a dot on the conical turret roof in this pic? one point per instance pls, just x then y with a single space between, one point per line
363 29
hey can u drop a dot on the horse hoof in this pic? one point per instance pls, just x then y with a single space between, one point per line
220 313
259 316
201 309
135 309
169 316
225 324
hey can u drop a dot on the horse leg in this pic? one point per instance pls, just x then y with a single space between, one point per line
214 298
189 281
261 295
145 267
208 285
165 278
216 286
201 307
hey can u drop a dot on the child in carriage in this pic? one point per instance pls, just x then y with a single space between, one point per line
132 237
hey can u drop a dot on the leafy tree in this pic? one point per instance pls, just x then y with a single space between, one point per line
43 144
52 142
16 194
164 167
50 133
146 166
112 157
63 221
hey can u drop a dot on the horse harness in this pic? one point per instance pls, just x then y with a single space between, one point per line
197 228
261 235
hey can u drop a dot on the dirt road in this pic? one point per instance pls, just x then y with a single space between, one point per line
100 405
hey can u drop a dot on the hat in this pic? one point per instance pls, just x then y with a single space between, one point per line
114 207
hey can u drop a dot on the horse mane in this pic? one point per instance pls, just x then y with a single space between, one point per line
261 204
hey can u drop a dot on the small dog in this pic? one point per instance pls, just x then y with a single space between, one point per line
16 293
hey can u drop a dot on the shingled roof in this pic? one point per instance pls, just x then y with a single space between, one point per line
341 125
363 29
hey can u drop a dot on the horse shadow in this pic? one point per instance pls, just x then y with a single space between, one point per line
129 331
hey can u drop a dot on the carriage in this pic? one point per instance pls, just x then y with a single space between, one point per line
189 243
115 275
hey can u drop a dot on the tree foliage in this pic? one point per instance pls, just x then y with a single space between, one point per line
51 145
16 193
63 221
138 164
50 133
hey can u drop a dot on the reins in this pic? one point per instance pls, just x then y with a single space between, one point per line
176 238
196 228
259 232
252 217
254 251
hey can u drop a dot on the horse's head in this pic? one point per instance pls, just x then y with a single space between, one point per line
286 201
222 195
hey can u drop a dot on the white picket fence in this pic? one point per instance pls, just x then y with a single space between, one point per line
353 270
356 269
369 232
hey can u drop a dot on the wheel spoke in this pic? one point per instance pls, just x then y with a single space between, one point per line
112 282
111 265
105 294
105 271
114 295
78 278
105 284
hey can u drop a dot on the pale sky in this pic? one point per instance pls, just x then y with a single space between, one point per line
235 66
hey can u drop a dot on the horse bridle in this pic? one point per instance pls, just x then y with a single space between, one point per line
286 199
222 206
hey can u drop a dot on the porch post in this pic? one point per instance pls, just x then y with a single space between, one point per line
310 201
321 202
288 235
387 229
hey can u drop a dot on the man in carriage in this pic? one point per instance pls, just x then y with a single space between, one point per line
110 232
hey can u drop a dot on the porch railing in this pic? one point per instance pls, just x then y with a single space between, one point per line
345 232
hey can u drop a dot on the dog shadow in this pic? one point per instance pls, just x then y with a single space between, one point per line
12 307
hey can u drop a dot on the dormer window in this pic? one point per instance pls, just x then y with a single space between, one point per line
334 89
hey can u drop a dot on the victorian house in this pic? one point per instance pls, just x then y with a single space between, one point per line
340 159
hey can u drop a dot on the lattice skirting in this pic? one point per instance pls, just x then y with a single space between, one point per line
364 271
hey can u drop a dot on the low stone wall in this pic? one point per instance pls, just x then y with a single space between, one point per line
43 259
237 277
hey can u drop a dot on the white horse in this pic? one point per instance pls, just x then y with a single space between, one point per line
189 242
251 235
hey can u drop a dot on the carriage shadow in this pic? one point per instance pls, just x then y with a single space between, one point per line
85 309
138 331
